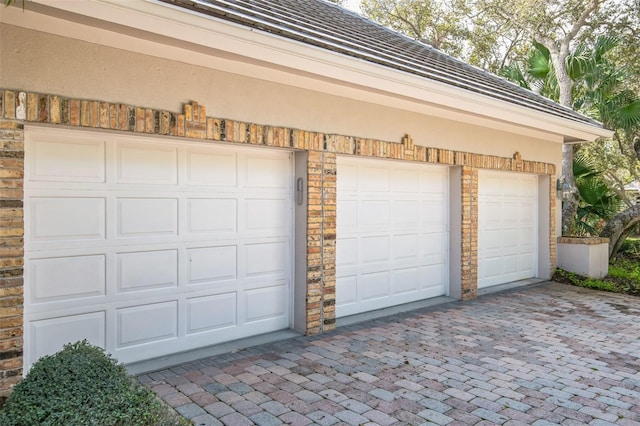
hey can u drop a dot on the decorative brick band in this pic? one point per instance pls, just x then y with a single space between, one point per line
193 123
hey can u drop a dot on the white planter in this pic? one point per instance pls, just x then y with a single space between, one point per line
585 256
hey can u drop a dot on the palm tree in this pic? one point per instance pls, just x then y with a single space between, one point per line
598 203
599 91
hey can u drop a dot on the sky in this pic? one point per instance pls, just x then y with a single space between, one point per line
353 5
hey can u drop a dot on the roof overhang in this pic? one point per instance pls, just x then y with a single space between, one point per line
159 29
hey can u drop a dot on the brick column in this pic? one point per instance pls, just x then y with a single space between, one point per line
329 197
469 237
314 243
553 259
321 242
11 248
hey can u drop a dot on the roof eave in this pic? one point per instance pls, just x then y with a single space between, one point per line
164 20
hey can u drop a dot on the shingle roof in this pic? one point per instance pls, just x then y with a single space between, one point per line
325 25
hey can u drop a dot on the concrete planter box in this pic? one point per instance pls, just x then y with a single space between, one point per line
587 256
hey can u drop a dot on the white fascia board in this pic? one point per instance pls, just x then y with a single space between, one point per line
315 65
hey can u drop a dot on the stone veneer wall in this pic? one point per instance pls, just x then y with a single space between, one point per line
18 107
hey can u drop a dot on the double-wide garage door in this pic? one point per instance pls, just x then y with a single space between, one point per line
393 239
149 247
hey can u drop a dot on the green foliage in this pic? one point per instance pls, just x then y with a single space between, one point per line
81 385
597 203
631 249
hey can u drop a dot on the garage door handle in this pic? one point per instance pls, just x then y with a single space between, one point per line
299 189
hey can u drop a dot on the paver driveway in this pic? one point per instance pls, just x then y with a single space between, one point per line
538 355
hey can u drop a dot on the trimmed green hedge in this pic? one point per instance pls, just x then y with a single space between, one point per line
82 385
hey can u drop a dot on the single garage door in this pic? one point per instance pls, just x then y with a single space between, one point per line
392 233
507 227
148 247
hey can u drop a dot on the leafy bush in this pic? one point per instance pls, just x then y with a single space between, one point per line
630 249
82 385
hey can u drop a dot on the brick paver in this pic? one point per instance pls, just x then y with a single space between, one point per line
545 354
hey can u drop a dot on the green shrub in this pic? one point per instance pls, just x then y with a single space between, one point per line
82 385
630 248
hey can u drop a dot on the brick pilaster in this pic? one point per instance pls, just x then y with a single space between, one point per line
553 259
329 202
469 237
11 250
314 243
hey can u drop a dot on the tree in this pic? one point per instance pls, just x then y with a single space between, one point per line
456 27
600 90
557 25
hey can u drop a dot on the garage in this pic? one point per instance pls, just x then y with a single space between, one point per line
149 246
392 233
507 227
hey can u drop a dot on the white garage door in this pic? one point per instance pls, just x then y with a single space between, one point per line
507 227
393 240
149 247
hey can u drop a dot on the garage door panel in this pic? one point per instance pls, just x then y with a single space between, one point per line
434 244
433 277
433 216
433 181
373 285
180 245
208 215
147 270
526 216
50 335
147 217
405 280
405 214
67 161
405 247
373 179
348 177
146 165
374 249
147 323
208 264
347 216
492 267
266 171
267 215
67 278
392 223
346 290
405 180
346 252
373 214
265 303
212 169
266 258
211 312
507 222
510 239
67 218
509 213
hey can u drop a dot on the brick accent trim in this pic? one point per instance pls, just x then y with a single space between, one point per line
19 107
469 237
11 252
